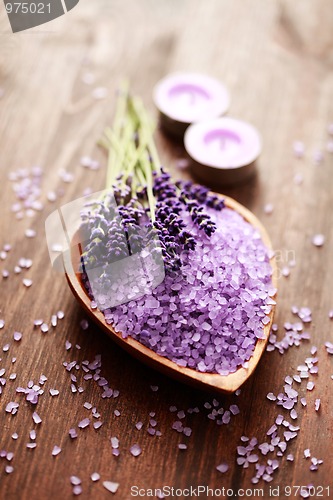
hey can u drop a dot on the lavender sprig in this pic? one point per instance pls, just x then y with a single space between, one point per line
145 194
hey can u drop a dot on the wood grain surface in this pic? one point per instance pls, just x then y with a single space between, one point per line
276 57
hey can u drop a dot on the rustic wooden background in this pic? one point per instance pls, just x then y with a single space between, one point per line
276 57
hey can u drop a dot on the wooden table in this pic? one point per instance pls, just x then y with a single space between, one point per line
277 60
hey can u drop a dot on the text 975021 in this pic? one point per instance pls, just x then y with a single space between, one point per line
25 15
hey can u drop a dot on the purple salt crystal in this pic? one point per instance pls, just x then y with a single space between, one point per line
117 413
97 424
54 392
317 404
72 433
289 435
290 457
44 328
84 324
56 450
288 404
12 407
271 430
111 486
135 450
271 396
95 476
115 442
84 423
36 418
264 448
223 467
139 425
293 414
31 445
9 469
17 336
75 480
182 446
234 409
298 148
77 490
307 453
187 431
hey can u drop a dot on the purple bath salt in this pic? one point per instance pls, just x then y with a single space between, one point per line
223 467
209 315
135 450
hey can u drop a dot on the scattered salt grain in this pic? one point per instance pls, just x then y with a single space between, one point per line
17 336
182 446
77 490
75 480
84 324
317 404
307 453
56 450
298 148
114 442
30 233
36 418
111 486
268 208
99 93
135 450
95 476
318 240
298 179
44 328
84 423
318 157
27 282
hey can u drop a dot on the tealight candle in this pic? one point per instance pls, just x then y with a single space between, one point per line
185 98
224 150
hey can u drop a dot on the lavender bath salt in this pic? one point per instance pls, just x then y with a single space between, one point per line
209 314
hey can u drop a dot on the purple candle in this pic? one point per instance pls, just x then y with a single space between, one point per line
185 98
224 150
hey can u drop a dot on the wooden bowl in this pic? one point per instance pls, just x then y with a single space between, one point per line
222 383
